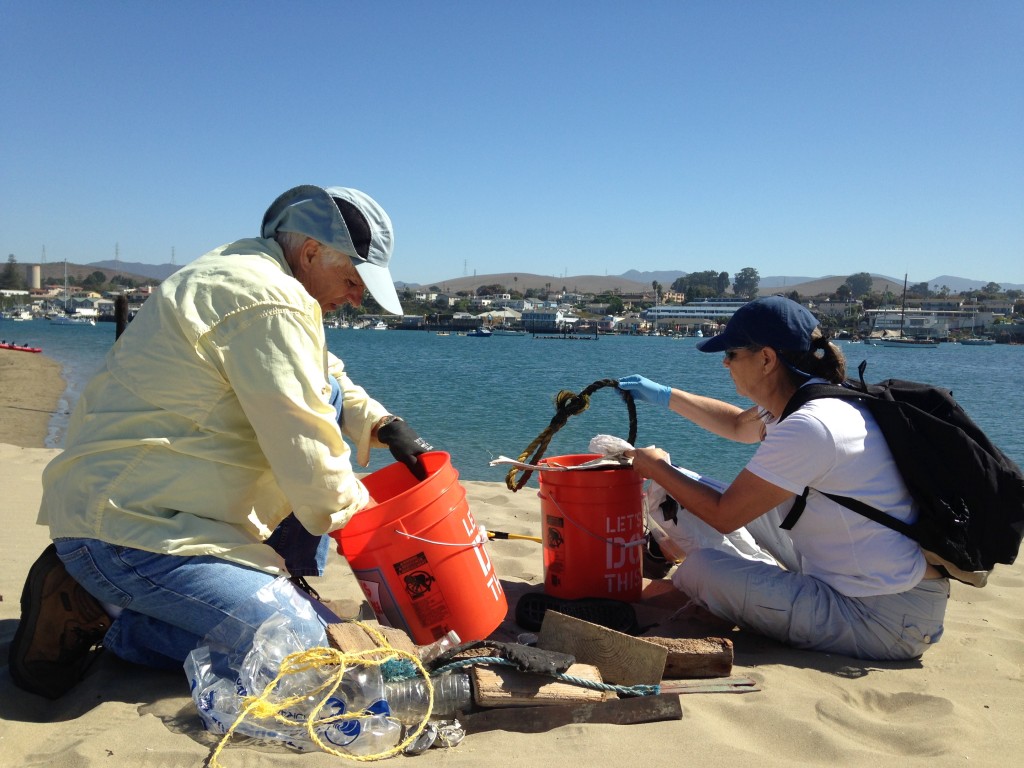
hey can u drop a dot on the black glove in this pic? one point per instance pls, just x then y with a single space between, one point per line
405 445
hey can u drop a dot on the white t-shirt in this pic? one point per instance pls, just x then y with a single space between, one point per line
834 445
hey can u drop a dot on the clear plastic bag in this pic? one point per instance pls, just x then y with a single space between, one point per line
235 662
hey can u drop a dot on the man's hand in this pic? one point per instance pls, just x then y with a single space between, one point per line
405 445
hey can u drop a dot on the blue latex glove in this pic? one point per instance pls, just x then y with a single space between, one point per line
646 390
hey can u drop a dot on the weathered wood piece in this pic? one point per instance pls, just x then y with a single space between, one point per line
639 709
501 686
350 637
622 659
695 656
717 685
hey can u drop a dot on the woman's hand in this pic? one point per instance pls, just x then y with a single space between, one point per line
646 390
646 459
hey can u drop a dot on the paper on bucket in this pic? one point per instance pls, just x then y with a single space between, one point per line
604 461
609 446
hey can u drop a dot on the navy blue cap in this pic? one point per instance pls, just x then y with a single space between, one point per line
773 321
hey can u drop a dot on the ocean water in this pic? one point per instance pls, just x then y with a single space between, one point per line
480 398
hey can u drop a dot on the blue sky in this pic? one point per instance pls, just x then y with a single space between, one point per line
559 138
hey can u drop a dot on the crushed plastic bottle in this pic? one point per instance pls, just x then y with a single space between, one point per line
428 653
408 699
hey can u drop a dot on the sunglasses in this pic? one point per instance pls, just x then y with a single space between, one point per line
733 353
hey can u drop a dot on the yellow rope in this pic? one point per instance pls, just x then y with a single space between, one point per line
316 658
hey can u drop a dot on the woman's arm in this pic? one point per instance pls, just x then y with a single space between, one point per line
747 497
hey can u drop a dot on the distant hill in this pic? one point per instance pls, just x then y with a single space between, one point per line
153 271
665 278
53 272
631 281
522 281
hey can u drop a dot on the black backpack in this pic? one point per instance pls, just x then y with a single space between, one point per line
969 493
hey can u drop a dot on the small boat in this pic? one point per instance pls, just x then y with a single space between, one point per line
380 325
907 342
443 333
507 332
481 332
977 341
19 347
71 320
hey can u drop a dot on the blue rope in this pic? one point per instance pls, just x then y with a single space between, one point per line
594 685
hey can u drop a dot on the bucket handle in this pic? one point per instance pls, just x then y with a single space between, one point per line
635 543
479 541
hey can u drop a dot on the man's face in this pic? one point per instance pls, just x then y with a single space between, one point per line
330 279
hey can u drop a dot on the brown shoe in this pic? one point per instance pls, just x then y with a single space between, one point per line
60 626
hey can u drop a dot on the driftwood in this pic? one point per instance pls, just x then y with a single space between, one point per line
641 709
501 686
351 638
695 657
622 659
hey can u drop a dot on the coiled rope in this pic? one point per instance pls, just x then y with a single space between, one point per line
314 658
567 403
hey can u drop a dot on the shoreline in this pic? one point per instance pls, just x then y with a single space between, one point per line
31 388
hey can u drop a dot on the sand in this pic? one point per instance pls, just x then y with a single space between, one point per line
958 705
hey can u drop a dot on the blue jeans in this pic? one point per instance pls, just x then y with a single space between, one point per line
304 553
169 603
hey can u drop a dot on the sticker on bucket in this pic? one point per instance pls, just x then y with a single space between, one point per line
424 593
554 541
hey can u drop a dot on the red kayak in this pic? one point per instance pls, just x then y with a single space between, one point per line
19 347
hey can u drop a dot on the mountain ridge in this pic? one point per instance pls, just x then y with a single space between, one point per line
632 281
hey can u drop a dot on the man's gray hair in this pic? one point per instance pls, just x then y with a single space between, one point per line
292 242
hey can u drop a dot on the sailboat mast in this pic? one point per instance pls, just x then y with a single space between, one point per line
903 306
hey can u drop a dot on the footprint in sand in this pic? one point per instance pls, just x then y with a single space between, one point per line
892 723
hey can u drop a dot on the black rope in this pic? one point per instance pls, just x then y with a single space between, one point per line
567 403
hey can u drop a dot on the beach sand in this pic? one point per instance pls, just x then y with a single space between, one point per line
958 705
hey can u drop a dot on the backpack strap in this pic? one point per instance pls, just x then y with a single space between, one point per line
849 391
872 513
796 510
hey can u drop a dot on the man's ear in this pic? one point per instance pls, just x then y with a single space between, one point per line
309 250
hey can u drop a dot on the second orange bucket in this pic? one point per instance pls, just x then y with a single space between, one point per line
593 530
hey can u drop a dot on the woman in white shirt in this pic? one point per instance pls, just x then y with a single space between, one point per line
837 581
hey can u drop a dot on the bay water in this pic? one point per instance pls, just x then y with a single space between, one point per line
480 398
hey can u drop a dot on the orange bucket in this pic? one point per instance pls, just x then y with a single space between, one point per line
420 557
593 526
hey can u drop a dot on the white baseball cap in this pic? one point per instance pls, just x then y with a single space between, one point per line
346 220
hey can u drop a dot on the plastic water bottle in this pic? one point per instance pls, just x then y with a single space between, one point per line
428 653
408 699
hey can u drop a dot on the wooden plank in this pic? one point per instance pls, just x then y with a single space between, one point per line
695 656
501 686
639 709
622 659
350 637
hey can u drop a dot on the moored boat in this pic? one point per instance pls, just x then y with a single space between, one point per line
19 347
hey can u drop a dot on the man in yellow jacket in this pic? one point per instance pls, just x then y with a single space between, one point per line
214 421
